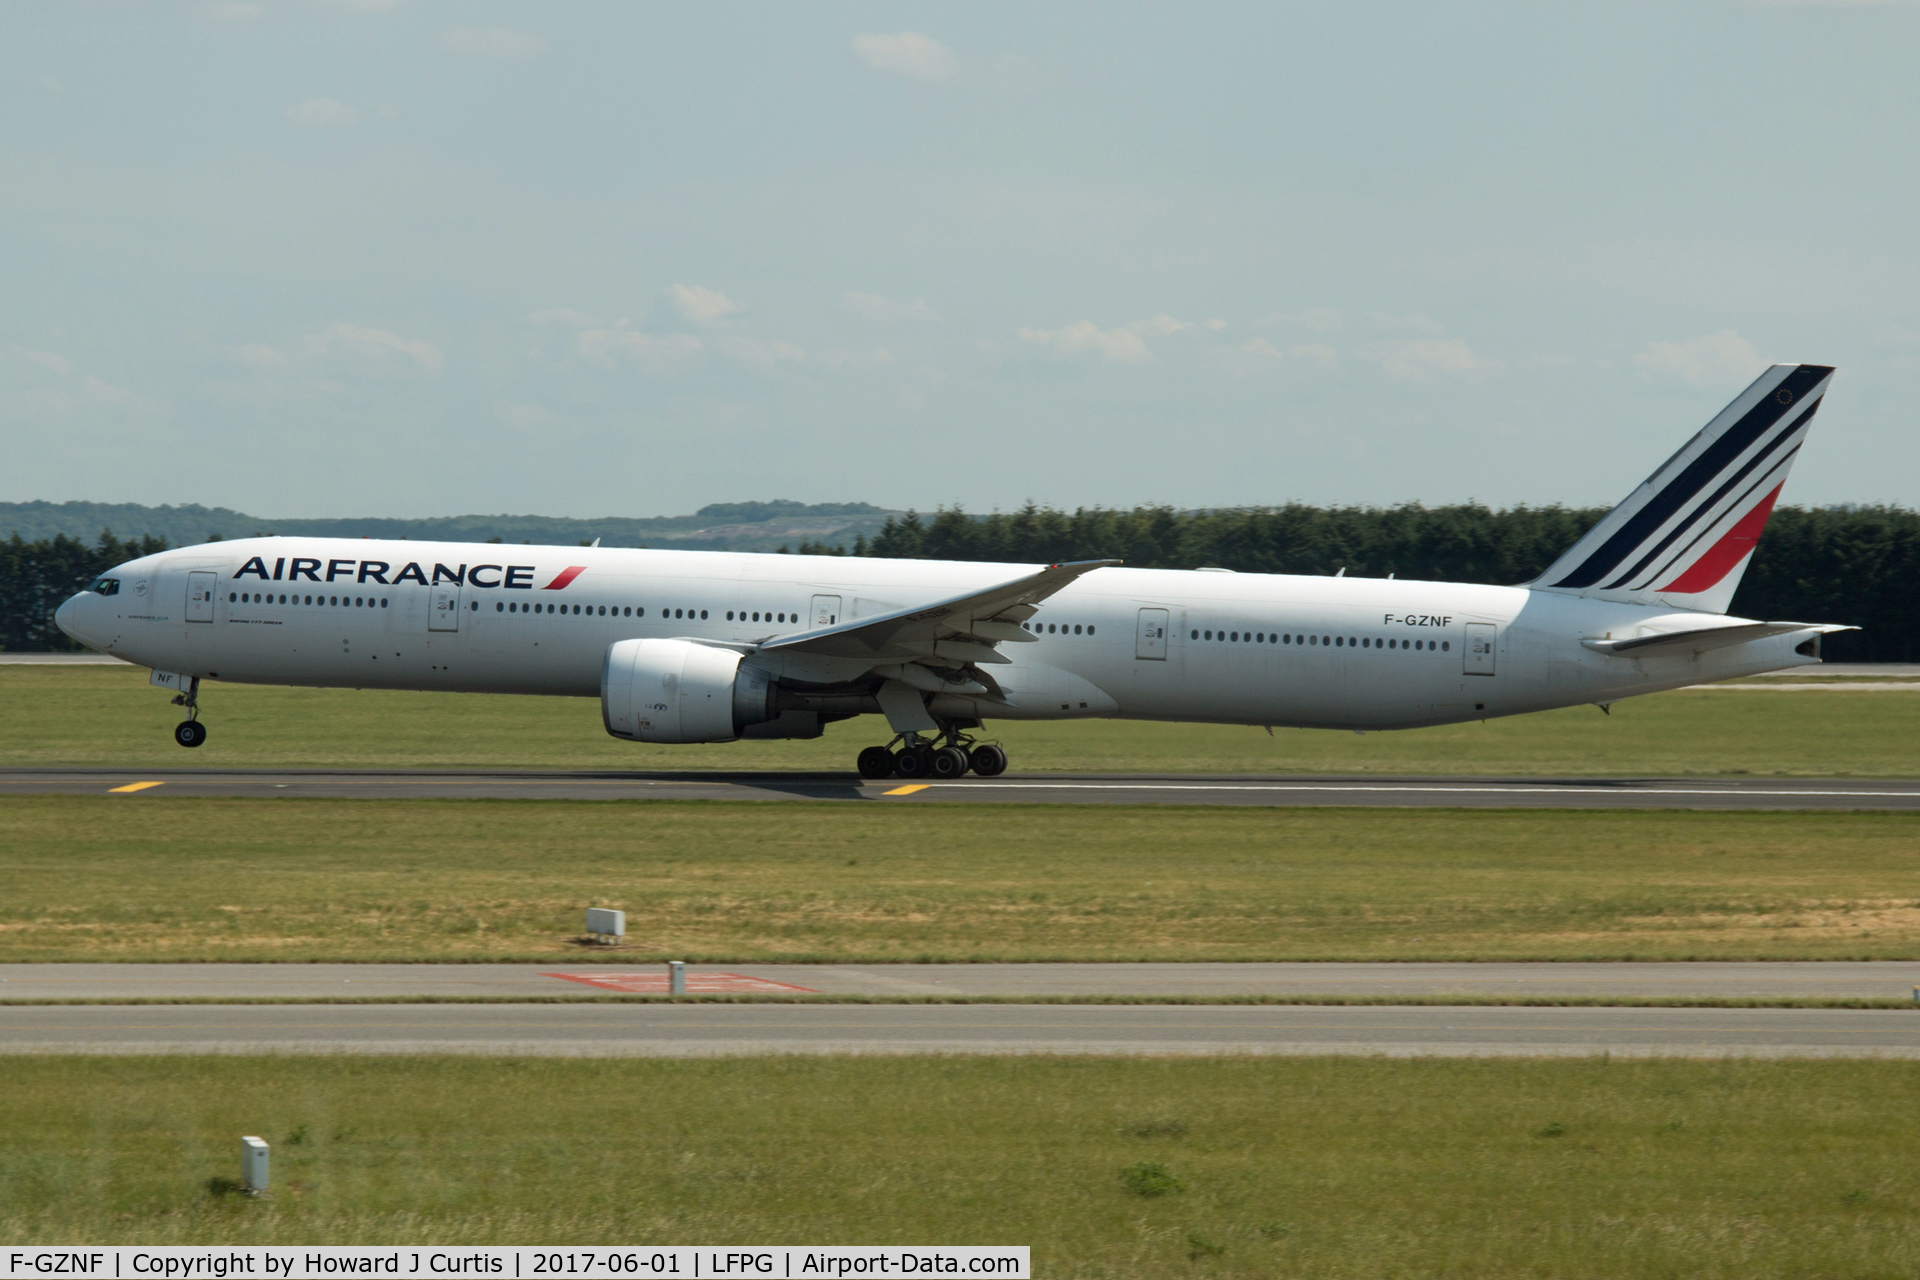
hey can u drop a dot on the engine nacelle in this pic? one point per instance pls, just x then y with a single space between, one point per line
677 691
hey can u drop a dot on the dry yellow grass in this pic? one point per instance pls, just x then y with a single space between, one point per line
147 877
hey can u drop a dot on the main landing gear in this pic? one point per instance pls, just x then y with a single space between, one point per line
919 757
190 732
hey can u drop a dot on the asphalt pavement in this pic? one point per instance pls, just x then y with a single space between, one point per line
607 971
696 1030
1133 789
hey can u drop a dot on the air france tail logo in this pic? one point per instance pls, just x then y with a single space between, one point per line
516 576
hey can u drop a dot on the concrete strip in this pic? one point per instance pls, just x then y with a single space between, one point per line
1881 980
687 1030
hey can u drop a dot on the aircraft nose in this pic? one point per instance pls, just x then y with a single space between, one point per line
68 617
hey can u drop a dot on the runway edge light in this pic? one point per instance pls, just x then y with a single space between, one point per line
676 977
606 925
253 1165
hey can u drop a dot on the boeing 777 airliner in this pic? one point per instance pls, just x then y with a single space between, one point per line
697 646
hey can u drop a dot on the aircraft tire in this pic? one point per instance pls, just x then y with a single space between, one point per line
190 733
913 762
989 760
876 762
950 763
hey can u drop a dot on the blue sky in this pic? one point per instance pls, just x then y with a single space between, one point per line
424 257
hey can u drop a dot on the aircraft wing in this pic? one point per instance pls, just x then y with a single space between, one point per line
949 633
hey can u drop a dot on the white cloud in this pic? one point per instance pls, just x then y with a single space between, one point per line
871 306
1119 346
319 112
1260 354
1162 324
52 361
858 361
907 53
1424 359
654 354
494 42
1412 320
1714 360
760 355
108 393
1216 324
228 11
379 345
1318 319
703 306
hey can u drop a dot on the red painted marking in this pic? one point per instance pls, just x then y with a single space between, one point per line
697 983
567 575
1736 546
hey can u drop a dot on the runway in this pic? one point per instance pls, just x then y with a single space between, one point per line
605 972
1131 789
699 1030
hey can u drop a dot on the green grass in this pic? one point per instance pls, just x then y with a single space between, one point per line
1297 1167
109 716
144 877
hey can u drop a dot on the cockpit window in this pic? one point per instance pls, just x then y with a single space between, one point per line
106 587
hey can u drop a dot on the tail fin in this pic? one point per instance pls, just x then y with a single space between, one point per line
1684 537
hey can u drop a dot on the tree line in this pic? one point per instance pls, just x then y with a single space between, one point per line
1858 565
1853 565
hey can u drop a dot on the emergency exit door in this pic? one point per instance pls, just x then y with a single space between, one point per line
1150 635
200 589
445 613
1478 658
826 611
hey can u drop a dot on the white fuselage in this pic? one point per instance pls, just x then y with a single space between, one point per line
1354 653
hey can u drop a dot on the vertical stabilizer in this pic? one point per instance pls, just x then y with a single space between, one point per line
1685 536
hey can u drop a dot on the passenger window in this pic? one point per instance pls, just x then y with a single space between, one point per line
1194 636
1089 628
1446 646
1076 628
703 615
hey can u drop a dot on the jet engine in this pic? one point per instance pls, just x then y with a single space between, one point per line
678 691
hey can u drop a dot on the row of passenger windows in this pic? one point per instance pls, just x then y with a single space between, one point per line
619 611
338 602
1340 642
1051 627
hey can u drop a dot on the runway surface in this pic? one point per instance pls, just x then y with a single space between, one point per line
594 973
1402 792
695 1030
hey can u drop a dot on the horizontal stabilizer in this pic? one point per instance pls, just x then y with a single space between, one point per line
1701 639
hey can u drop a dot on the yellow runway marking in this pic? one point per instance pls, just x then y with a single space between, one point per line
907 790
135 786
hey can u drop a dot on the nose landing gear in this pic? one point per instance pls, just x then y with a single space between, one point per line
918 757
190 732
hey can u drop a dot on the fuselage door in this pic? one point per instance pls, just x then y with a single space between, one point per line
200 589
1150 636
1478 658
826 612
445 612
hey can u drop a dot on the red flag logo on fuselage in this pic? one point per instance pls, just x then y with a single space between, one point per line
567 575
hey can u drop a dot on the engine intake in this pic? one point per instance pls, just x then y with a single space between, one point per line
678 691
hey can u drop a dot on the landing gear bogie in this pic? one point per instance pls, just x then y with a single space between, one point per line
953 758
